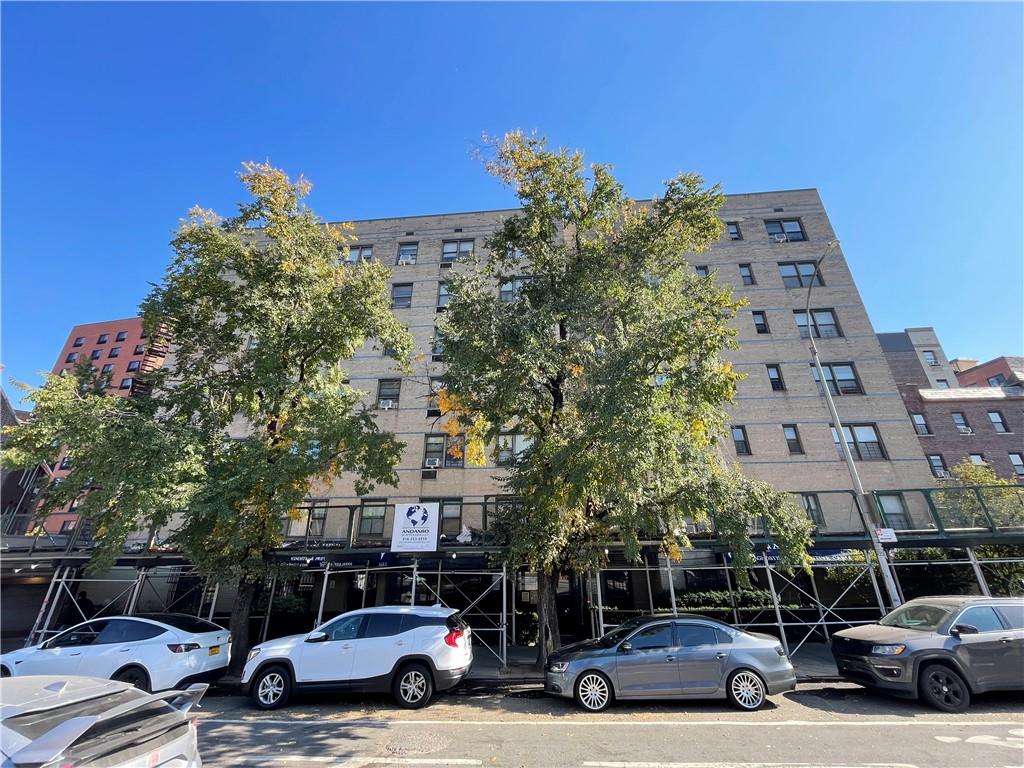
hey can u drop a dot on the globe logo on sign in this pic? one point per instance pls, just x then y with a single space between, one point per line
417 515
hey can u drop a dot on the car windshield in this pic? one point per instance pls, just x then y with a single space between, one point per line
926 617
620 633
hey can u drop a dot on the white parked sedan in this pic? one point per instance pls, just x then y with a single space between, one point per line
153 652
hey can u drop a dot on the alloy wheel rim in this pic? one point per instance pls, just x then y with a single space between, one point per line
945 688
593 692
413 686
747 689
271 688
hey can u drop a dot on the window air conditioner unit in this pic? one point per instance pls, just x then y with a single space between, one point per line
963 429
432 463
406 261
934 363
779 238
386 405
943 474
446 265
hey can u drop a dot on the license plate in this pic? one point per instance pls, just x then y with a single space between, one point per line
214 650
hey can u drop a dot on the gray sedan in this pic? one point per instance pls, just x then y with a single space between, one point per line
671 657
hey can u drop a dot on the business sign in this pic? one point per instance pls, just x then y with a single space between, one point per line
415 527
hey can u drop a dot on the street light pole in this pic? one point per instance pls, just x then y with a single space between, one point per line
858 488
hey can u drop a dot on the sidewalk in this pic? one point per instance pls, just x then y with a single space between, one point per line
813 663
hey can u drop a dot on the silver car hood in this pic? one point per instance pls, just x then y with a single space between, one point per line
882 634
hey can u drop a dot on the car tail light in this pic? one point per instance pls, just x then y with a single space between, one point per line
452 638
183 647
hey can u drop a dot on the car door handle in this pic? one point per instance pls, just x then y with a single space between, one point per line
1004 639
125 650
346 647
721 655
670 658
400 642
76 653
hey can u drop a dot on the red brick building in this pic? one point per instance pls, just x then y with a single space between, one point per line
119 350
1001 372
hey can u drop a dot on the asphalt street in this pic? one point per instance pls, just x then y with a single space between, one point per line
816 726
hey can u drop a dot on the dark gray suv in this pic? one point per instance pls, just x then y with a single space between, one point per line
940 649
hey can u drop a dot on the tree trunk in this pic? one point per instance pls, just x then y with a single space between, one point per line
549 638
239 624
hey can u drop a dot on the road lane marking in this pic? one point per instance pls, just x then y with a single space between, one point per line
604 723
612 764
349 762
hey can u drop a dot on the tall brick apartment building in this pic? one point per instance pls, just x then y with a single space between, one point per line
781 428
984 424
119 351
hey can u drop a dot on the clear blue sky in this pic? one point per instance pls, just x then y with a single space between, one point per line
117 118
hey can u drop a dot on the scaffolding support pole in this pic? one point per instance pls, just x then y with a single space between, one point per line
270 608
415 578
213 601
817 603
504 616
874 581
671 586
323 596
366 583
49 603
978 573
775 601
133 597
600 606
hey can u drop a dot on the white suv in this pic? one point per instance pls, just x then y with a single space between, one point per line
410 651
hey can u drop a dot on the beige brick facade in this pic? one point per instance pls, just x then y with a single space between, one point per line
760 409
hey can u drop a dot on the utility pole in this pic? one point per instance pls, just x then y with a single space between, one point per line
863 502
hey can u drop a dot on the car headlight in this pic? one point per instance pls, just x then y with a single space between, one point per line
558 666
252 654
888 650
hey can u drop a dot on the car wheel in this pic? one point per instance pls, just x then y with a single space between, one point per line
271 687
944 689
5 672
413 686
593 692
133 676
746 690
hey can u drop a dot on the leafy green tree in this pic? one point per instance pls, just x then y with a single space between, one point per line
985 496
251 409
607 357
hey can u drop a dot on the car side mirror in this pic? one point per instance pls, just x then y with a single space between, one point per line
316 637
963 629
626 647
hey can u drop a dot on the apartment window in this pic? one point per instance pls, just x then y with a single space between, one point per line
938 465
114 352
998 423
977 459
733 227
437 347
68 526
702 271
1017 460
390 352
433 451
96 354
121 336
510 446
72 356
812 506
103 338
960 422
454 450
822 324
799 274
511 289
401 296
760 321
357 254
841 377
444 450
451 516
79 341
133 365
455 250
996 381
920 424
107 368
317 516
929 357
125 384
775 377
941 384
371 518
894 510
443 294
863 441
407 253
785 230
739 439
433 407
139 349
747 275
388 391
792 435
